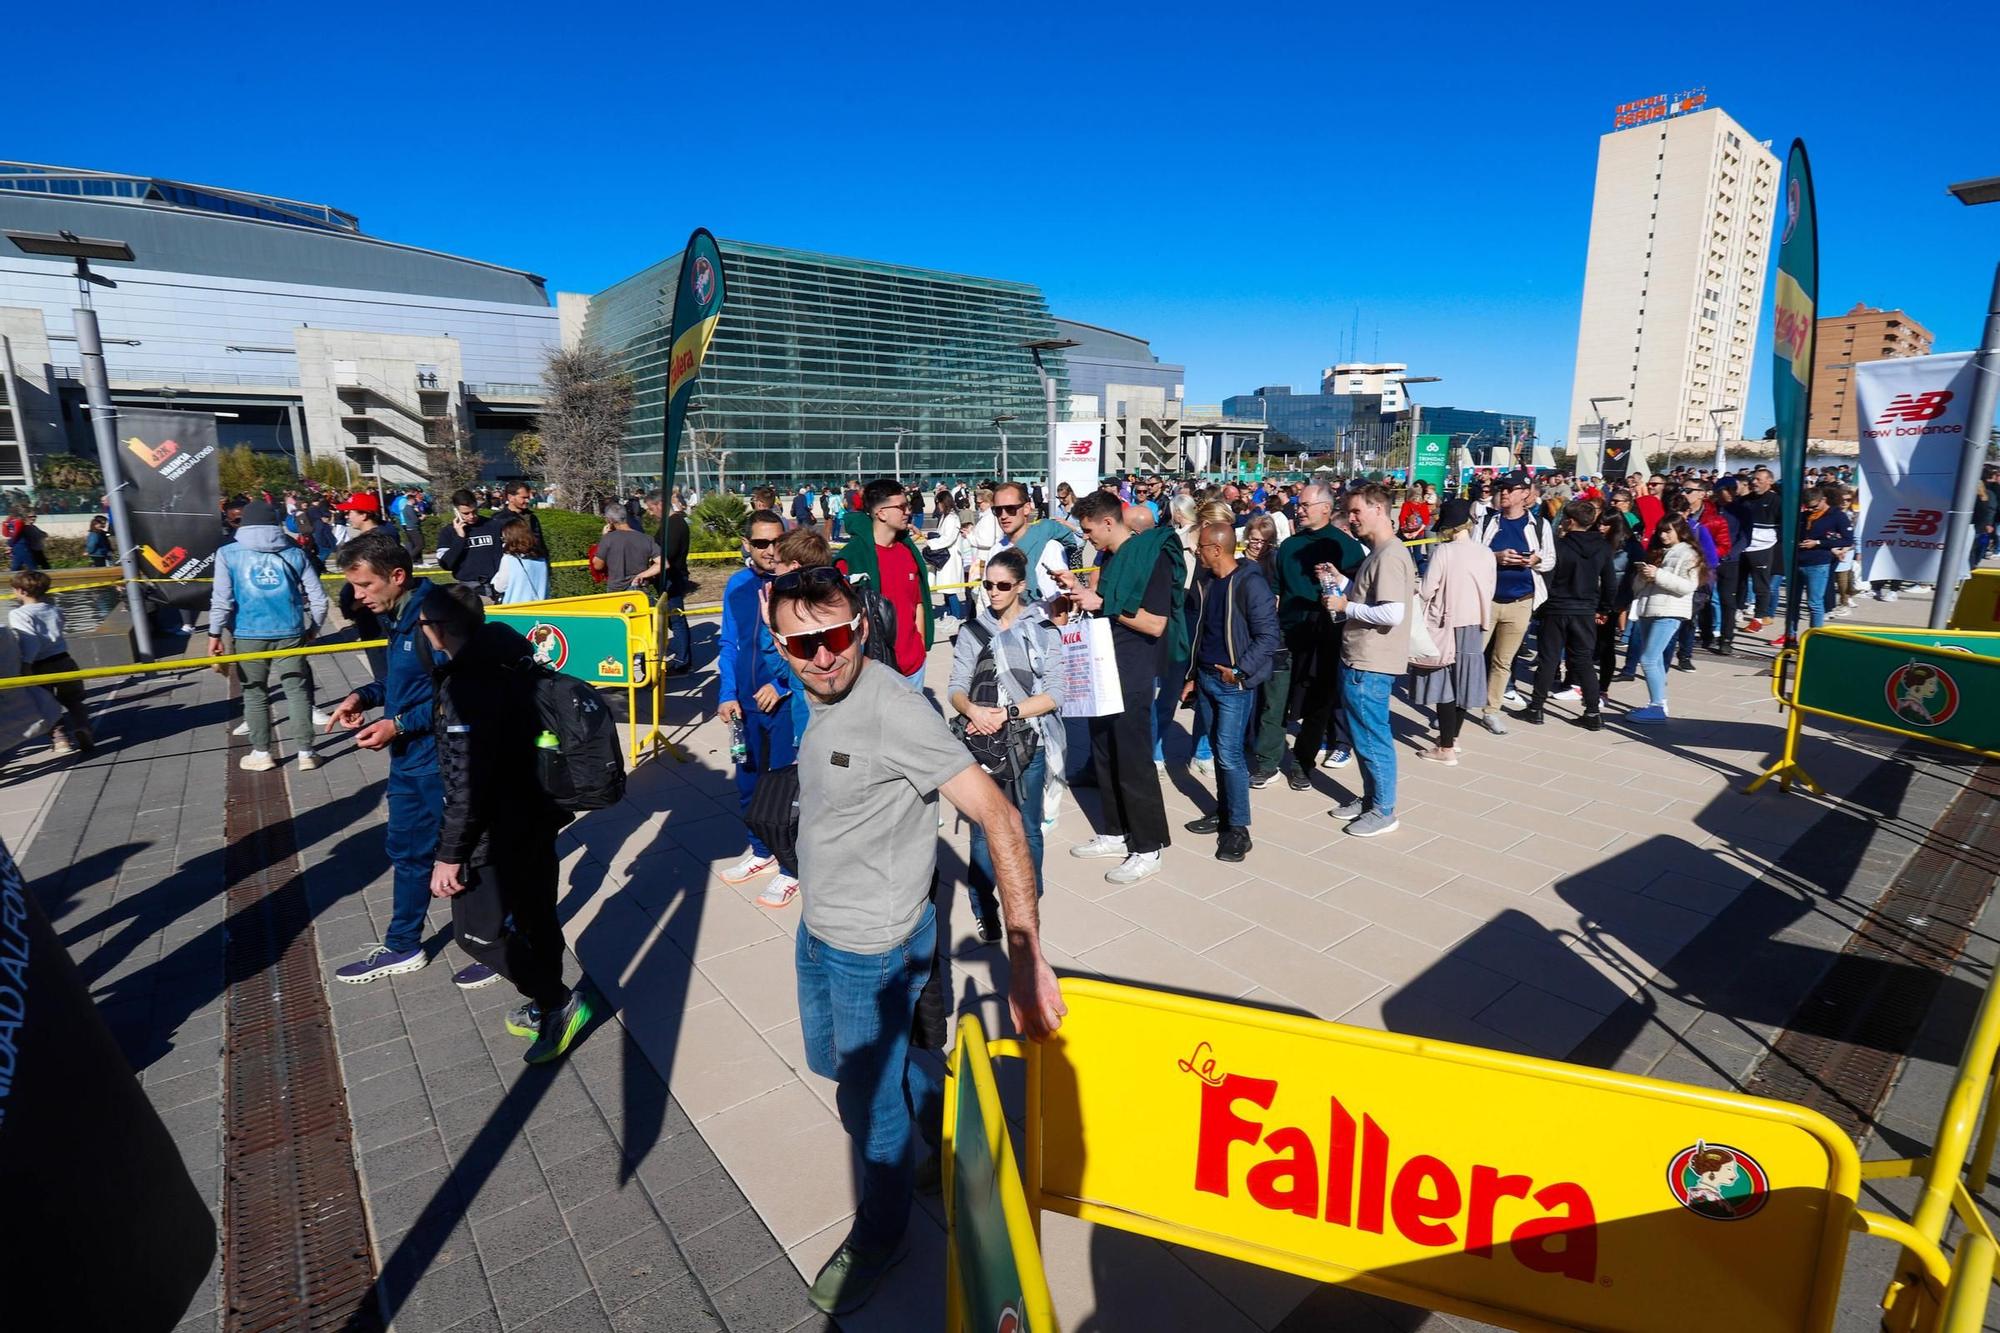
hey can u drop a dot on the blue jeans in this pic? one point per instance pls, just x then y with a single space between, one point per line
1203 726
1231 707
680 639
746 787
953 607
1365 704
1028 800
855 1011
1655 642
1817 578
416 815
1165 696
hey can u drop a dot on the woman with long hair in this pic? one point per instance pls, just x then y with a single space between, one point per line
1664 580
942 551
523 575
1457 599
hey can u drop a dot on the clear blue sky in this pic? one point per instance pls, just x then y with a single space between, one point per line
1228 181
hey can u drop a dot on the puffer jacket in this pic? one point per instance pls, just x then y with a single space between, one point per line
265 588
1670 593
485 722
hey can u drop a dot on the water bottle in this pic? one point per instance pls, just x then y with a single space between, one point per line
738 751
548 741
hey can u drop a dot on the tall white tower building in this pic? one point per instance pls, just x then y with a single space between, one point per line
1680 233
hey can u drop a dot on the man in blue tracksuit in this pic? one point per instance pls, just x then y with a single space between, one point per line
378 569
753 683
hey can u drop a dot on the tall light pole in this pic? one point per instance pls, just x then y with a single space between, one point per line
899 432
97 392
1716 416
1597 409
1036 347
1978 428
1416 412
1000 424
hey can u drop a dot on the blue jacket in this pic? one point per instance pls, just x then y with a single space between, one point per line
405 693
747 660
264 586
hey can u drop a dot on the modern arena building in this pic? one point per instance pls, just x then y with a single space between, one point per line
825 367
304 334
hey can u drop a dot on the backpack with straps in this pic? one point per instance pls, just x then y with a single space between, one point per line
1006 753
585 769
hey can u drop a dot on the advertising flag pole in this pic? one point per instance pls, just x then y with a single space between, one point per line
104 426
1953 562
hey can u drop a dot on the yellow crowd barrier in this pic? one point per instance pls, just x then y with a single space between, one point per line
1518 1191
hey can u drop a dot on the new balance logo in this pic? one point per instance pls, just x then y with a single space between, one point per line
1916 407
1915 522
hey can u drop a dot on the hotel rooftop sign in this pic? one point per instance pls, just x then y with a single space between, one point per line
1660 107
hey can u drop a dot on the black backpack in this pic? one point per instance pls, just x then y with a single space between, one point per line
585 769
1005 754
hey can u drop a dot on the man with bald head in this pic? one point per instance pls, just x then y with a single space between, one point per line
1312 639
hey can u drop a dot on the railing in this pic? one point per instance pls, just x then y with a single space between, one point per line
165 377
491 390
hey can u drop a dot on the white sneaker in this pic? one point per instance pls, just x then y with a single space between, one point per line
308 761
1160 767
1099 847
257 761
321 717
1137 866
1512 698
1202 768
240 729
779 892
751 866
1568 696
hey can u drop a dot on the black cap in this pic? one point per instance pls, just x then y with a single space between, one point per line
258 513
1514 479
1454 513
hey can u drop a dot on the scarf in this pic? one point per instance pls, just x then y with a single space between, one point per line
1122 584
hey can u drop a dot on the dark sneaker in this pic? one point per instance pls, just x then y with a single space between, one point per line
473 976
1264 778
1234 844
1593 721
850 1278
989 927
525 1020
1685 664
559 1029
1206 824
382 961
1299 779
1532 716
1353 809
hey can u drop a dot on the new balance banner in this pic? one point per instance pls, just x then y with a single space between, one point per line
1079 455
170 461
1913 412
1792 357
697 308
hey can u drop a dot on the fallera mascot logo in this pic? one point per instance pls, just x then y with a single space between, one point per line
1922 694
704 279
1718 1181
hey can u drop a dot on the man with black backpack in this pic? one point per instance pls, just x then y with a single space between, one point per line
496 853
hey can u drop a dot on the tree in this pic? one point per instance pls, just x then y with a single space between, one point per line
451 458
583 425
526 451
69 472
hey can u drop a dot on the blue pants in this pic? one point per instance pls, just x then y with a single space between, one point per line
855 1012
1028 800
954 607
416 815
1203 726
1654 643
1364 699
1231 707
1165 696
746 787
680 645
1817 578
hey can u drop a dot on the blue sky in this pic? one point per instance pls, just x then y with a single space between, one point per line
1232 182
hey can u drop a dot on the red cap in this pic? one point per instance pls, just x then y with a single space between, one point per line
365 501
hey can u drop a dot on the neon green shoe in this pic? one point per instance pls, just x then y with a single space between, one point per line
560 1028
525 1020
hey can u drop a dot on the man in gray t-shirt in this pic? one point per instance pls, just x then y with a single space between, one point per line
626 557
874 759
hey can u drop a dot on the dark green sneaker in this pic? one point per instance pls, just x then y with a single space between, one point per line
559 1029
850 1278
525 1020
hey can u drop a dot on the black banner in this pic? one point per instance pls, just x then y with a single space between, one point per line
174 499
1617 459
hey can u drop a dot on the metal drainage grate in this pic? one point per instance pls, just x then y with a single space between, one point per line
296 1255
1844 1043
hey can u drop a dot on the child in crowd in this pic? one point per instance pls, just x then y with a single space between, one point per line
38 624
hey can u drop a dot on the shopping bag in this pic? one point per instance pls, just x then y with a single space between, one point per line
1090 669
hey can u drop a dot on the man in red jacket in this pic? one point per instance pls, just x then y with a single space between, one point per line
1652 506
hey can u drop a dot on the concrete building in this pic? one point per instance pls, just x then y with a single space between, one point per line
307 336
1115 376
1839 344
1680 234
1381 379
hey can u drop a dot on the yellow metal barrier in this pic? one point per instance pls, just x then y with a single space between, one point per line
1518 1191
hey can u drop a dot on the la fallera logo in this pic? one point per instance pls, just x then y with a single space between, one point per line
1351 1176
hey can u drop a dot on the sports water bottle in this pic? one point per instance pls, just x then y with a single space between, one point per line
548 740
737 749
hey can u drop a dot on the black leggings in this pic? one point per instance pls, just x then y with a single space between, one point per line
1450 718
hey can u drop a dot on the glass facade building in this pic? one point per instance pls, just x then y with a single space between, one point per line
1477 430
1315 423
818 361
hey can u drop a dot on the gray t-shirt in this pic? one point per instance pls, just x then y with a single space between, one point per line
624 552
869 770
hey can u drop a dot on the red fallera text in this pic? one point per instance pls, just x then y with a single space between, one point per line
1423 1197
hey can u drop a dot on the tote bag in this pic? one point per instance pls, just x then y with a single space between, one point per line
1090 669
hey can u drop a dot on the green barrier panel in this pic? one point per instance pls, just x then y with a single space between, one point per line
994 1278
596 649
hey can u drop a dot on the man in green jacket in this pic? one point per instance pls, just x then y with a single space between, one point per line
1312 640
880 547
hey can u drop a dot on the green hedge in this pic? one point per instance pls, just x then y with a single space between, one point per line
569 536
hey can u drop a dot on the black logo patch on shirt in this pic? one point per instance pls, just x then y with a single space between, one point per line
839 760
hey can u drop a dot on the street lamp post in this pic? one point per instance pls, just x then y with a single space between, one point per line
1036 347
899 432
1978 428
1000 424
97 392
1597 409
1716 416
1416 414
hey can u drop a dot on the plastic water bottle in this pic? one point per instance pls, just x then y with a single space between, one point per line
738 750
548 741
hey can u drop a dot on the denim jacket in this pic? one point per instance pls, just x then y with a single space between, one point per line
264 586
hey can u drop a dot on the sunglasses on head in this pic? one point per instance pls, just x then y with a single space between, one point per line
991 586
804 646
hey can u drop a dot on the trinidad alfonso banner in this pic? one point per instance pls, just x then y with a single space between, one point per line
1792 358
697 307
171 461
1913 418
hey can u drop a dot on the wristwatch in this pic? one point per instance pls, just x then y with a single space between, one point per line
1013 712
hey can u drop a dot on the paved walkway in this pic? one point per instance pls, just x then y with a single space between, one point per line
1555 894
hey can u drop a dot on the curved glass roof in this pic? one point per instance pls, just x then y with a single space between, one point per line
34 178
